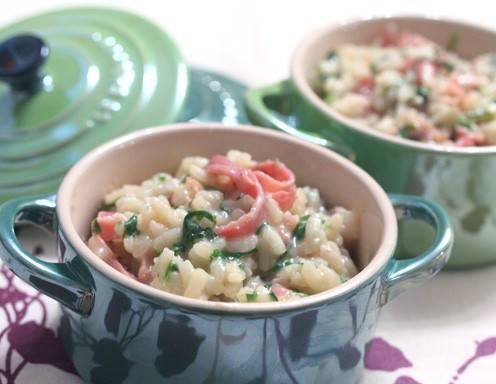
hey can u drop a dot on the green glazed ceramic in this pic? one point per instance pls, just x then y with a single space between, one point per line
107 72
118 330
214 97
460 179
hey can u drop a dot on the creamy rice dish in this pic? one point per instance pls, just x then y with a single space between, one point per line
226 228
406 85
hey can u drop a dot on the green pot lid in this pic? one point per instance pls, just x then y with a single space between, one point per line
108 72
214 98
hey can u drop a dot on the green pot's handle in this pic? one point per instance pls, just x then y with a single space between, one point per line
261 113
402 274
53 279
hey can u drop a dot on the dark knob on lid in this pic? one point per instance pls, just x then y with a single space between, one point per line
21 59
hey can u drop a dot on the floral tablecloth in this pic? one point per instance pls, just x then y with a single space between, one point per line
441 333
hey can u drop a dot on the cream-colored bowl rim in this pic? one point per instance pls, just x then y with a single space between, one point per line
378 262
299 79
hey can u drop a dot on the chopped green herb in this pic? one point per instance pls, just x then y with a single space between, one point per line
272 296
231 255
407 130
464 121
108 206
330 98
421 97
333 55
447 66
193 231
453 41
225 209
172 267
131 226
480 115
161 178
423 92
251 297
95 227
373 68
283 262
259 229
299 231
178 249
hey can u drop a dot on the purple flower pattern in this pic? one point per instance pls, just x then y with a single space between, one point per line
36 343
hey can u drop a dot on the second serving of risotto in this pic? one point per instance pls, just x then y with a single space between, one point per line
226 228
407 85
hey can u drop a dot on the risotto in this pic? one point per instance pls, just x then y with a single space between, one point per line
226 228
406 85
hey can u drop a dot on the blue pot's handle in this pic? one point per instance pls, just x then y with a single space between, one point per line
53 279
260 113
403 274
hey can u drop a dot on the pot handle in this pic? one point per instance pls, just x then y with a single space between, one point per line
260 113
53 279
401 275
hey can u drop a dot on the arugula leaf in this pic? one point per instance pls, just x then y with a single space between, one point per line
272 296
131 226
299 231
193 231
172 267
251 297
95 227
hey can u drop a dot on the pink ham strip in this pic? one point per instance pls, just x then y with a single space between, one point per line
274 176
246 181
107 221
279 291
145 269
270 178
100 248
278 182
222 166
250 221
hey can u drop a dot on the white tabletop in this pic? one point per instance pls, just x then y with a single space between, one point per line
428 333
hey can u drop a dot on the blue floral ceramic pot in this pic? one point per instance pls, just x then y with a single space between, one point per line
117 330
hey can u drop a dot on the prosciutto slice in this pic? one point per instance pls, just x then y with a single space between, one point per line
100 248
267 179
246 182
278 182
107 221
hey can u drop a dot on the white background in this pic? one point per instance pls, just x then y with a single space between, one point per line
253 40
437 325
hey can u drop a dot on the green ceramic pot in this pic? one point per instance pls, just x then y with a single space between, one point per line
118 330
460 179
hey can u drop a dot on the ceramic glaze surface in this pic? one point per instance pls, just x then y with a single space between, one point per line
461 181
98 81
156 343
